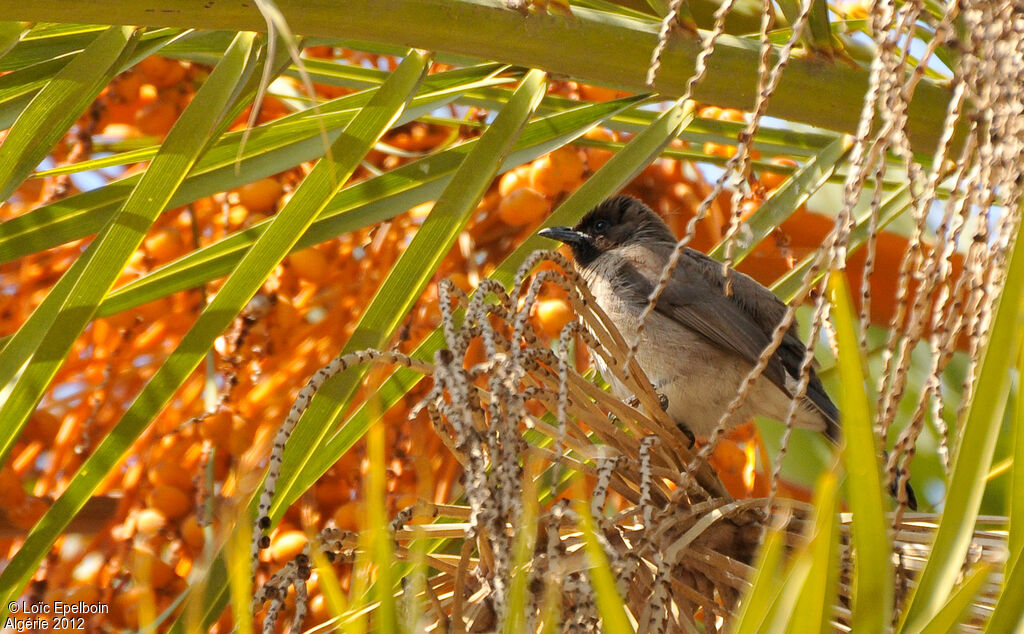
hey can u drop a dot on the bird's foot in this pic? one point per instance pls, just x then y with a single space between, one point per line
633 401
689 434
663 402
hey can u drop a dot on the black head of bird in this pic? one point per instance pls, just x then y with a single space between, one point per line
707 330
615 223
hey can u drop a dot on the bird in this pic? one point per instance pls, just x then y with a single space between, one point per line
707 330
700 341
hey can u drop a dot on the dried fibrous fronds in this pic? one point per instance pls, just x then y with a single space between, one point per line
679 546
671 520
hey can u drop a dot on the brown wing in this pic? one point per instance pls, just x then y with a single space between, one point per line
741 322
699 303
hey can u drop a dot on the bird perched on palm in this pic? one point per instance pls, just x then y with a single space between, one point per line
700 341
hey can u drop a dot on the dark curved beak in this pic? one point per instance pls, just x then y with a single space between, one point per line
563 234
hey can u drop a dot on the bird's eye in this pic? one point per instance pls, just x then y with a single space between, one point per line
600 226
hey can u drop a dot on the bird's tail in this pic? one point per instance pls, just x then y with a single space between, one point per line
828 410
816 394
